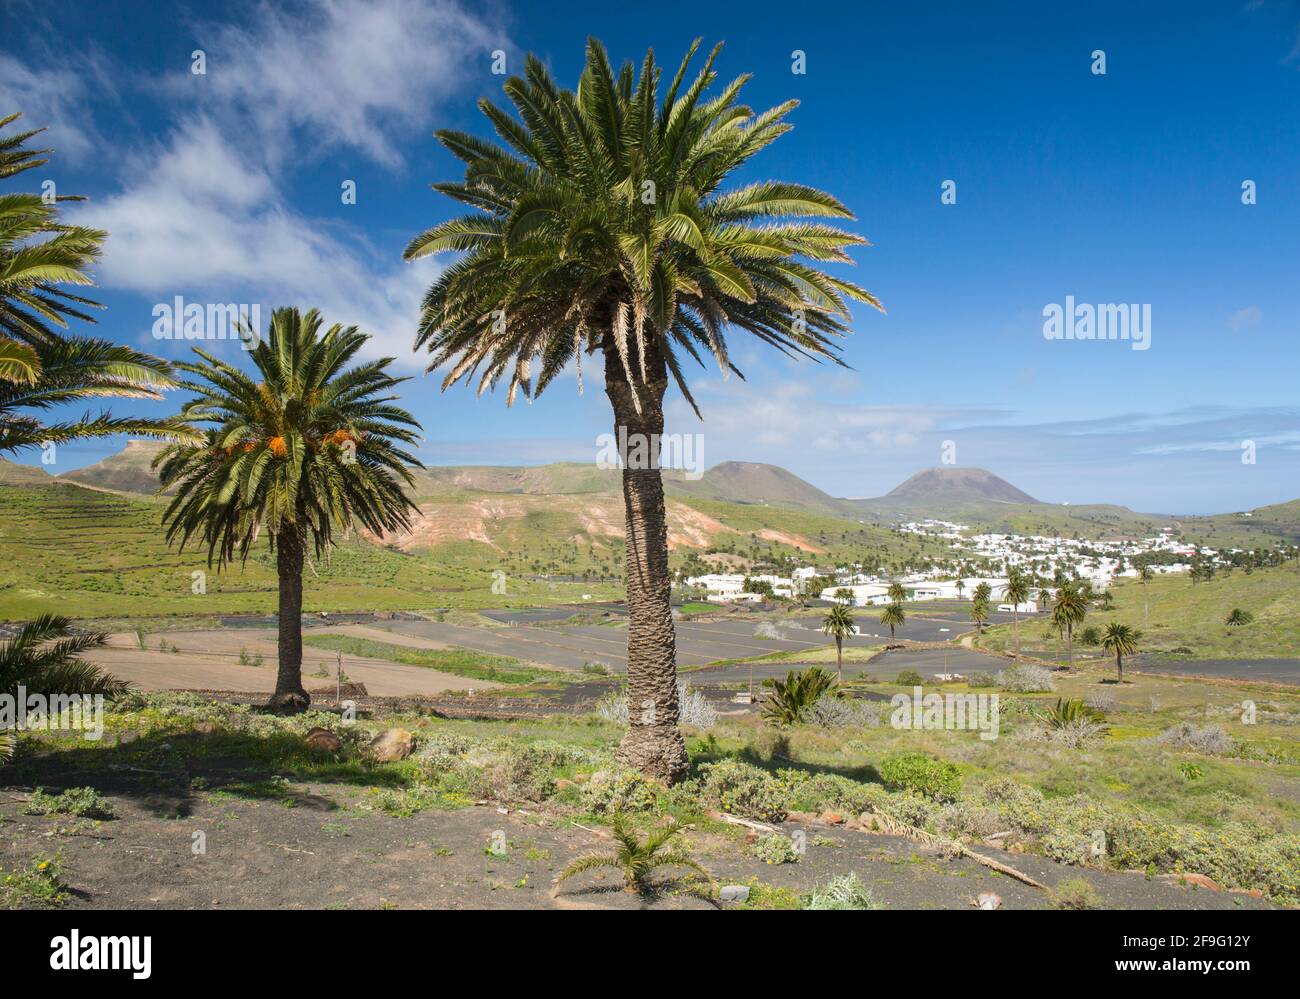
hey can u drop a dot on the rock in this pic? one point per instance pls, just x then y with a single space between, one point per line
806 817
561 784
987 900
1200 880
734 893
324 739
207 727
395 744
832 818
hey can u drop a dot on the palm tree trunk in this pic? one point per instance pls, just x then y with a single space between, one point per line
653 743
1016 616
839 658
1119 665
1069 642
289 694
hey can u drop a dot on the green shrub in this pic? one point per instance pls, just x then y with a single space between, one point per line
743 790
1076 893
609 793
83 802
775 849
909 678
917 772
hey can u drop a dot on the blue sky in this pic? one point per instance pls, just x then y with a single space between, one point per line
1116 188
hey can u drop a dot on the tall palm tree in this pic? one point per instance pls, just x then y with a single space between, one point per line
838 624
1121 640
305 448
1069 610
1016 593
600 226
40 366
893 616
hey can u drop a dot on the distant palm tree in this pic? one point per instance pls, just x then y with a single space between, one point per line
1146 574
1016 593
897 594
309 448
1069 610
960 587
979 613
600 225
1121 641
983 592
838 624
40 366
893 616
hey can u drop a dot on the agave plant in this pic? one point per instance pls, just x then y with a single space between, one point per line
637 859
1070 711
1239 618
791 698
602 224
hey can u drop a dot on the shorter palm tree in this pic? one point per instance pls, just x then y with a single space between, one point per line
636 860
893 617
305 450
960 587
897 594
979 613
838 624
1120 640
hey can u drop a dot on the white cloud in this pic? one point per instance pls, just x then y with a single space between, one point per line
206 212
55 98
1243 319
342 71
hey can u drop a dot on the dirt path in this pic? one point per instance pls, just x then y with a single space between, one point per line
209 660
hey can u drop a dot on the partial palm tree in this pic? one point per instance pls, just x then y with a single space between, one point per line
1120 640
1016 593
44 658
636 859
838 624
1068 611
305 448
893 617
896 593
961 585
41 366
979 613
600 225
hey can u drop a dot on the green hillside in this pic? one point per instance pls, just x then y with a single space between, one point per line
1188 616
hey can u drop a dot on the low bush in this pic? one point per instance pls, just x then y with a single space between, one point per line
918 772
82 802
1025 678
